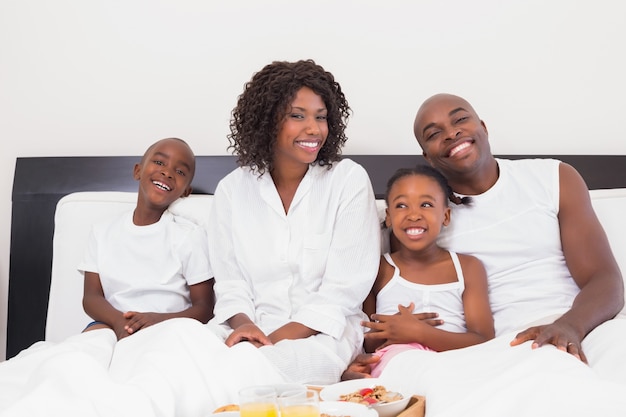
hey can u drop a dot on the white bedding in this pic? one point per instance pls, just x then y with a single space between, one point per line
179 368
175 368
496 380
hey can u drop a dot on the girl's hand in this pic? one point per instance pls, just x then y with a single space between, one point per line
402 327
429 318
361 367
248 332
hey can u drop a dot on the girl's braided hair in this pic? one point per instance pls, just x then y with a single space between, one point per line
266 100
427 171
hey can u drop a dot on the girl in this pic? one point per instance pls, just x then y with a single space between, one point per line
420 276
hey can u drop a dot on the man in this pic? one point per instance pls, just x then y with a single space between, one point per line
532 224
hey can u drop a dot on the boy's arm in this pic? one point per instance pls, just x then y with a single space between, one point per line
201 295
98 308
202 299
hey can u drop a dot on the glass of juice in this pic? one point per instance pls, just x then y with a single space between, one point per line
258 401
299 403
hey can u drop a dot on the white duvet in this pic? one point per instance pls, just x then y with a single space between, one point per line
494 379
179 368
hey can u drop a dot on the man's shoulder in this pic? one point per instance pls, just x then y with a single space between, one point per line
526 169
528 163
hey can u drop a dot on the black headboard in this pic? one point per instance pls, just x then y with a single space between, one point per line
39 183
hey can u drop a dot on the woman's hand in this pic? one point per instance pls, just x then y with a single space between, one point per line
248 332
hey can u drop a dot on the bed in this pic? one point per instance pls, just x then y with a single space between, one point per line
38 306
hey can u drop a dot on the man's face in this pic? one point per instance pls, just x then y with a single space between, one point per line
453 138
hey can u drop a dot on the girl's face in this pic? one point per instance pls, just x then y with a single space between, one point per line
303 131
417 211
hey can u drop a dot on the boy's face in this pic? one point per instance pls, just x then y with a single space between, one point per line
165 173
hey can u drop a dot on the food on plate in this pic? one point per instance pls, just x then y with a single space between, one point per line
227 407
370 396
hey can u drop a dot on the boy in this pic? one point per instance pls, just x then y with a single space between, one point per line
148 265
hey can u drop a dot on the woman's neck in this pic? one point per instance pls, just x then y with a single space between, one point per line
287 181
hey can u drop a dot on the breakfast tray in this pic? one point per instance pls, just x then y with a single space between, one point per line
415 408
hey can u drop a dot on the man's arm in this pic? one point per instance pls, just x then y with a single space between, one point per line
592 265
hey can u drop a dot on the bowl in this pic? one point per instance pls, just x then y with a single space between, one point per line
390 409
345 408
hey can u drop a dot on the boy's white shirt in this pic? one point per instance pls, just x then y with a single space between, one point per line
148 268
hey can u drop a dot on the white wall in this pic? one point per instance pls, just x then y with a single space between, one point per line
108 77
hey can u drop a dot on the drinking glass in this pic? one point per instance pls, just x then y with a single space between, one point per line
258 401
299 403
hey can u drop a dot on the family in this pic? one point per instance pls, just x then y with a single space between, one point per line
474 249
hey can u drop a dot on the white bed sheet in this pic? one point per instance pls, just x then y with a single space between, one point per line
494 380
179 368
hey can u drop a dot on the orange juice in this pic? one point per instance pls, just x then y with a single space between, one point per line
300 410
258 410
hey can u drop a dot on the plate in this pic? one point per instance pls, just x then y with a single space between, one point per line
343 408
226 414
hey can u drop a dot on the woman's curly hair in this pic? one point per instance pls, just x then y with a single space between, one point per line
264 103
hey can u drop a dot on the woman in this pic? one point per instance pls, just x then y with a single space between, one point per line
294 242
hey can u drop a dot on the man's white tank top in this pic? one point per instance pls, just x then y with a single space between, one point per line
445 299
513 228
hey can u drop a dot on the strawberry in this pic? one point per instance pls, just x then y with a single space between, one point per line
366 391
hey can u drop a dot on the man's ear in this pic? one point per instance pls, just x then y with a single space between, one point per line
136 171
425 155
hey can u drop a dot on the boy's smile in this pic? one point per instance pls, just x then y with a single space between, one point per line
164 174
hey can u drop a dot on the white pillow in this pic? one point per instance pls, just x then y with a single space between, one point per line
74 216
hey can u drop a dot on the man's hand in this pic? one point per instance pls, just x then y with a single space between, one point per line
559 334
361 367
